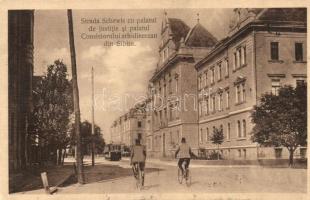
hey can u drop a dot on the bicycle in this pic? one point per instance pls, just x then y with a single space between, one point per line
185 175
138 176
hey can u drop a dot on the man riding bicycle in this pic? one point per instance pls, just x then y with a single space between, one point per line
184 153
138 156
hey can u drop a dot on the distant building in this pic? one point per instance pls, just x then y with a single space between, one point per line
265 49
20 67
131 126
174 85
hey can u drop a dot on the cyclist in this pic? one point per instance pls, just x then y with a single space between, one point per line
138 156
184 153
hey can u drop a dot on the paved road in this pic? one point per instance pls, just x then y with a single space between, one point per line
205 179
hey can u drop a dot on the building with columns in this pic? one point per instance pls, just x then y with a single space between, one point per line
174 85
265 49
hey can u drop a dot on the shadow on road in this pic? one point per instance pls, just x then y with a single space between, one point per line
104 172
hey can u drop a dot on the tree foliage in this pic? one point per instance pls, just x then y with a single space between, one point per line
217 137
52 107
87 137
281 120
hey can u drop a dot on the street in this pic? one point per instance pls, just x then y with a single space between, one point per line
161 177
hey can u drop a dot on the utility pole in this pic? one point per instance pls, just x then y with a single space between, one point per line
79 162
92 119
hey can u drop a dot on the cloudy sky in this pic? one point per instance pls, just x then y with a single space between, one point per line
121 73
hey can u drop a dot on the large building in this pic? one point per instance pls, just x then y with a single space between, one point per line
20 67
174 85
135 124
265 49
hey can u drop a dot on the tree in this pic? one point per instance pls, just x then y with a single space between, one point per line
52 109
87 137
217 138
281 120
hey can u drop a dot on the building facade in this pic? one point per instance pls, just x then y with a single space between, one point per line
265 49
20 67
173 87
133 125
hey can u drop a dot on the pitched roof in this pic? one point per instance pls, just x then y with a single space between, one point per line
199 36
284 14
178 29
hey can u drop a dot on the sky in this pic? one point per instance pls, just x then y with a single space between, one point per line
121 73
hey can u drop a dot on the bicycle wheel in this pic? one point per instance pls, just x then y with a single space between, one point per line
180 176
139 179
188 178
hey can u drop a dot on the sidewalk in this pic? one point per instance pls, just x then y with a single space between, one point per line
27 181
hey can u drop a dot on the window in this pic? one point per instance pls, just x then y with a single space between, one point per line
176 85
243 55
201 136
139 124
238 58
208 135
206 78
227 99
177 110
244 153
165 113
275 86
213 103
203 109
244 128
274 51
170 113
220 102
235 61
228 131
220 71
298 52
238 94
212 75
169 87
165 88
199 82
239 129
239 152
200 108
300 82
243 92
226 68
207 107
139 136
